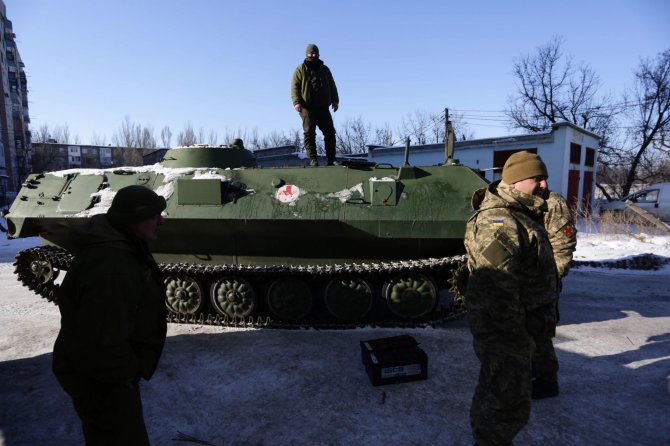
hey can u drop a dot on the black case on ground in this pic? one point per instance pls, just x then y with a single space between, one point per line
394 360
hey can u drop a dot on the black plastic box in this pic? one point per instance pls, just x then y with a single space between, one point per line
394 360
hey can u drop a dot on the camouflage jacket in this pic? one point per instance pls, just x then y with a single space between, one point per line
562 232
513 280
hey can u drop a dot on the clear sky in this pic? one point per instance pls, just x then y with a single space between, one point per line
224 65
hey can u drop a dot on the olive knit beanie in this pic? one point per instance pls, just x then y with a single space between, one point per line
312 48
133 204
523 165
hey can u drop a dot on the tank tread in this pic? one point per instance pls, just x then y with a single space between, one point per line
59 259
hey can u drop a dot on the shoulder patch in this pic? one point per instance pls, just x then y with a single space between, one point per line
568 230
496 253
498 222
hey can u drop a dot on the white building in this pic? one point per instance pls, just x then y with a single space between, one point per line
570 153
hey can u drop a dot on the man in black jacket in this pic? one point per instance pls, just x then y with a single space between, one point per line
313 90
112 318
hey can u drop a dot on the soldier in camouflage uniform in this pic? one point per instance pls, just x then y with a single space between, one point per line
511 295
560 226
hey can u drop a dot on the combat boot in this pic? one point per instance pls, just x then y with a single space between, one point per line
543 388
313 162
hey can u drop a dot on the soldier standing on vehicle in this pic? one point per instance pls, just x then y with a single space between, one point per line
112 318
511 295
560 226
313 90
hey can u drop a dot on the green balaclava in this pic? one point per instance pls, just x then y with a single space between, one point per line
237 143
312 48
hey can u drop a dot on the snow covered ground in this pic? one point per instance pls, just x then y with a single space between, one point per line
308 387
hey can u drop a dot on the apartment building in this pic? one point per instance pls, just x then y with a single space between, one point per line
15 147
52 156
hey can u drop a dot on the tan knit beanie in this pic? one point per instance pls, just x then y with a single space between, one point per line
523 165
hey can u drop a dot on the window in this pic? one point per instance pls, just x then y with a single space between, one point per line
590 157
575 153
647 196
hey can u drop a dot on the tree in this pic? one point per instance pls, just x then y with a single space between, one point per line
384 136
275 139
187 136
98 140
418 126
429 128
144 137
212 138
639 153
43 134
61 133
353 136
166 136
45 157
552 89
133 135
125 136
651 119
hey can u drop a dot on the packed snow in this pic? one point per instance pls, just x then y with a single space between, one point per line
224 386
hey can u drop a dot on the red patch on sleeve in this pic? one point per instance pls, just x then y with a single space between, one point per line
568 230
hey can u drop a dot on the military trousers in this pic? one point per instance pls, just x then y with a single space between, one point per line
313 118
110 414
502 399
545 361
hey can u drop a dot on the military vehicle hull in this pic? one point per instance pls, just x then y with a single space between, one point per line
275 231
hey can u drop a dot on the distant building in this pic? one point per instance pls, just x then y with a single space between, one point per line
290 156
51 156
569 151
15 145
282 156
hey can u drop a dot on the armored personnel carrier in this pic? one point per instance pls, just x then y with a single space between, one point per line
337 246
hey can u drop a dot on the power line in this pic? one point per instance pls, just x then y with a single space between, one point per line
613 106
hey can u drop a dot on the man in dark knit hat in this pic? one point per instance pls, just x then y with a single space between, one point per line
511 295
313 90
112 318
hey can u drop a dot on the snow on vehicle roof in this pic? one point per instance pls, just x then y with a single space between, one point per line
165 189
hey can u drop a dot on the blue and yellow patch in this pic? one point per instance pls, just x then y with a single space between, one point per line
498 222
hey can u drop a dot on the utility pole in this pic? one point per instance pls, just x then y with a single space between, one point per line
448 140
446 124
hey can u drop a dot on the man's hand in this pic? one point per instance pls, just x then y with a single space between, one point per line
336 105
298 108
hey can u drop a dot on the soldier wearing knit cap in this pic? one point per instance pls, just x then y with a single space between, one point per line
112 318
523 165
511 295
313 90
